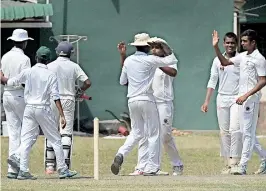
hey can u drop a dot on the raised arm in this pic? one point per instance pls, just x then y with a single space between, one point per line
215 41
121 47
164 61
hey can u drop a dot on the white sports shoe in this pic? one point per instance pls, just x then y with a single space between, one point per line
158 173
239 170
162 173
136 173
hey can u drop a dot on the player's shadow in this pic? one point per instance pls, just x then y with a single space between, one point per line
75 177
126 175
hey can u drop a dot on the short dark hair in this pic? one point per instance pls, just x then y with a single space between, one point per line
66 56
230 35
42 60
142 48
251 34
19 44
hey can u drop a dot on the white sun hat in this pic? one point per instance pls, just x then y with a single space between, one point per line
19 35
141 40
156 39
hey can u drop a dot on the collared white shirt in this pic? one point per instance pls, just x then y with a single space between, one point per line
40 85
227 76
67 73
12 63
251 67
138 71
163 85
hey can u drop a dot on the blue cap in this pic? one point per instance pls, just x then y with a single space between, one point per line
64 48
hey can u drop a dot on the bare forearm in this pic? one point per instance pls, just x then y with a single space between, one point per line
169 71
122 59
223 60
257 88
208 95
59 107
86 85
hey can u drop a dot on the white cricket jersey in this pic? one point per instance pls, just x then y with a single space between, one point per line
163 85
40 85
251 67
138 71
227 76
67 73
12 63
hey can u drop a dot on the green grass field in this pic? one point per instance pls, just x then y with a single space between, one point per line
200 154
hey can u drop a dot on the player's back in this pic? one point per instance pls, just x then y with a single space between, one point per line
39 85
140 73
12 63
66 72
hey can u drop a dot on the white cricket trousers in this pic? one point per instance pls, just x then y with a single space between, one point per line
68 107
228 120
35 116
144 121
14 105
248 123
166 110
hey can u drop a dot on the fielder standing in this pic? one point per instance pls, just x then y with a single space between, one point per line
227 108
252 79
67 73
40 86
138 72
12 63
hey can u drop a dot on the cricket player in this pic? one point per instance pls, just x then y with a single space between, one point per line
67 73
40 85
138 73
164 94
12 63
227 108
252 79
